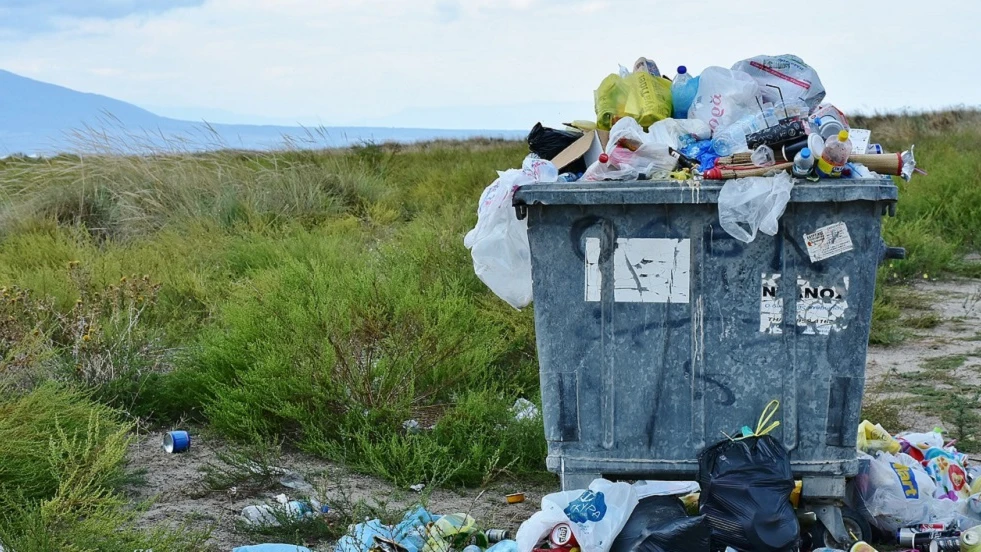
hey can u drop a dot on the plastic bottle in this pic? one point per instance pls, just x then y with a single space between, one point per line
803 163
731 139
835 155
683 90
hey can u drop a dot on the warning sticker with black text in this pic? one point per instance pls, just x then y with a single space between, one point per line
828 241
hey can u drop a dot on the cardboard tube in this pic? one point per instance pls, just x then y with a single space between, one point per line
882 163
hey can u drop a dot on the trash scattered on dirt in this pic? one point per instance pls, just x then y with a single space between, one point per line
176 441
294 481
418 487
270 515
411 426
524 410
515 498
917 487
419 531
271 548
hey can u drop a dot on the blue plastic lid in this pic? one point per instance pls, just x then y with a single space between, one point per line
805 153
817 121
682 69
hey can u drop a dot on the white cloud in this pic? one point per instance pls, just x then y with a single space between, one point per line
338 62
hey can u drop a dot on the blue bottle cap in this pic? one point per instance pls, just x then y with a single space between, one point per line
682 69
805 153
817 121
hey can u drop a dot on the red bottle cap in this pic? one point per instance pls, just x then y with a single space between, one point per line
604 158
713 174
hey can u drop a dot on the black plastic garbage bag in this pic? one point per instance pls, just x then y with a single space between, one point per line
746 486
660 524
549 142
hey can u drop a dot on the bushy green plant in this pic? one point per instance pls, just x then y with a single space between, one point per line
63 458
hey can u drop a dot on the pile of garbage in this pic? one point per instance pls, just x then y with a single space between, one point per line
918 487
761 126
761 116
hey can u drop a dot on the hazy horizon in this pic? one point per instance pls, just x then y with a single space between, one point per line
452 64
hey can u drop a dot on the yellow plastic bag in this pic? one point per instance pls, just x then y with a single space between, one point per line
638 95
648 98
609 101
872 438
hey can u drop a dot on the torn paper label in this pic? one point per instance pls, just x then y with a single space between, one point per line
771 306
828 241
645 270
821 309
593 277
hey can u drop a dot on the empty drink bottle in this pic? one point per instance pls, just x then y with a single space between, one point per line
834 156
683 90
803 163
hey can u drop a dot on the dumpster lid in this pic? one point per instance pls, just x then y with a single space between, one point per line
695 192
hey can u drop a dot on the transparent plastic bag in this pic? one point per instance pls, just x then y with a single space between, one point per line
631 152
724 96
499 241
595 515
756 203
671 131
787 75
897 492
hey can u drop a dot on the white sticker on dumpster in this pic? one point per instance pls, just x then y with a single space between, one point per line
828 241
645 270
771 306
821 309
594 278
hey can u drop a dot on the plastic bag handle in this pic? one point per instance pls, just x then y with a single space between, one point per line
763 426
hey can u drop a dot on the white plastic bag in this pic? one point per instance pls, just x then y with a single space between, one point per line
670 131
900 494
794 78
596 515
631 152
756 203
724 96
499 241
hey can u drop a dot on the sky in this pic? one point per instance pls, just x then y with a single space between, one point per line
490 64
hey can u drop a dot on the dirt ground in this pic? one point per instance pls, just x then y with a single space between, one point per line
956 306
176 480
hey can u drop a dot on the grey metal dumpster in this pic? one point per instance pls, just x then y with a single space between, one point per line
657 331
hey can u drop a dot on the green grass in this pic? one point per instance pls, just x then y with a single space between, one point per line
323 298
63 459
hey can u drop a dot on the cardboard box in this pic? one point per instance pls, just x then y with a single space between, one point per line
589 147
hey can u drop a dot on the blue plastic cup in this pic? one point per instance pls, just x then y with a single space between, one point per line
177 441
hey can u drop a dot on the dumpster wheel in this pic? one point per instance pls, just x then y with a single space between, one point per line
858 529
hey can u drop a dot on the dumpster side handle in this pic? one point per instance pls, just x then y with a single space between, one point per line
520 210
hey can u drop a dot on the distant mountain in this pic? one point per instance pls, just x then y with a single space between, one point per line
42 118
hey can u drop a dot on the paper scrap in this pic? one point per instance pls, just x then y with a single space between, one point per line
828 241
860 140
